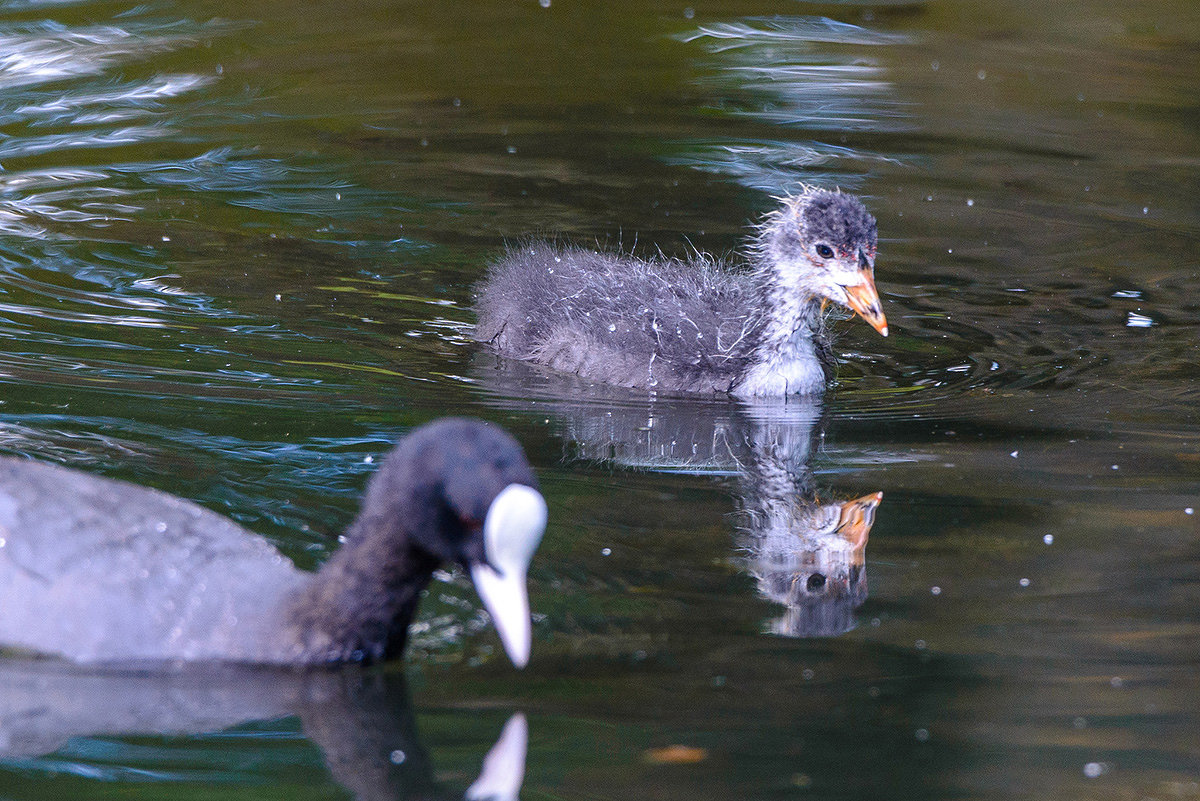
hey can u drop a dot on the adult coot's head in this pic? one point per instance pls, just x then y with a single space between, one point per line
98 570
461 491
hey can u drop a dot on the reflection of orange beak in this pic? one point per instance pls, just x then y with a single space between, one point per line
865 300
858 515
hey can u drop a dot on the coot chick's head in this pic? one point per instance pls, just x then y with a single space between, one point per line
822 243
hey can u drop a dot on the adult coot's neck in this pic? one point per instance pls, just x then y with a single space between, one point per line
359 605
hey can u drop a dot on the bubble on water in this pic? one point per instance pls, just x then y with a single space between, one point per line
922 735
397 757
1095 769
606 551
1024 582
935 590
1048 539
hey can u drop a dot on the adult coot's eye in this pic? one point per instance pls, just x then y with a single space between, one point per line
824 251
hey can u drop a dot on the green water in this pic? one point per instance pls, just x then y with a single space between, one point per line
237 247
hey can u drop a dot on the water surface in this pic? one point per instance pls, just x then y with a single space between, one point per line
237 248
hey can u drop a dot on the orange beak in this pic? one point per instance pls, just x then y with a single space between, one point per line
864 300
857 518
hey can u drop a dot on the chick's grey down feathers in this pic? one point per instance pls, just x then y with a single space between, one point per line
695 326
690 327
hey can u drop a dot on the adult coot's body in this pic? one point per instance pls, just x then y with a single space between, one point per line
98 570
692 326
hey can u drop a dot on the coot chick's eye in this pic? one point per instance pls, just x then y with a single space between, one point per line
824 251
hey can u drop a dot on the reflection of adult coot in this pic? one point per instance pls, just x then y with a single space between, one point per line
363 722
676 326
98 570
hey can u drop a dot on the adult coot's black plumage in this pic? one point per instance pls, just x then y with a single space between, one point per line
98 570
692 326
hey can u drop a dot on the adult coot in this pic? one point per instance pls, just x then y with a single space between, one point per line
692 326
98 570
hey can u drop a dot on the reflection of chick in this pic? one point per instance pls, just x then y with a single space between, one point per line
678 326
813 561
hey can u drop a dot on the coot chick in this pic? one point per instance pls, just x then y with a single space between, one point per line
98 570
693 326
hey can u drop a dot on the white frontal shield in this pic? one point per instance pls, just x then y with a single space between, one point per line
512 530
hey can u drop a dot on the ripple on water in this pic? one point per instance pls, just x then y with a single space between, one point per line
804 73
